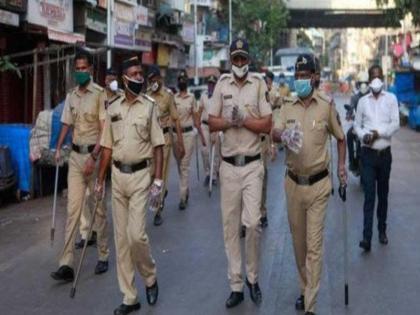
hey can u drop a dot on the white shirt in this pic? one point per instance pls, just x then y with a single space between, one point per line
380 114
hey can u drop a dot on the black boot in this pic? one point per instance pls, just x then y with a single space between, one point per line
264 222
125 309
101 267
157 219
152 294
255 292
300 303
365 244
234 299
383 239
64 273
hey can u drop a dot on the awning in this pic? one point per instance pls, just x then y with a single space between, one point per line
70 38
9 18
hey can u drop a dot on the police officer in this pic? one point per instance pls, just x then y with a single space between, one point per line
84 112
210 139
168 117
240 109
186 106
132 138
113 92
305 122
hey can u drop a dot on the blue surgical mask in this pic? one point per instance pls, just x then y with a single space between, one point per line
303 87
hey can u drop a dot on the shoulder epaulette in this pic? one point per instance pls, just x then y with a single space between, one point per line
150 99
98 87
225 76
168 90
325 97
256 75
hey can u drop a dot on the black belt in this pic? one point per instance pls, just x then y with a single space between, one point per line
307 180
241 160
185 129
166 129
382 152
131 168
83 149
205 122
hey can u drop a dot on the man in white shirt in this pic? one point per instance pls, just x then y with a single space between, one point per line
377 119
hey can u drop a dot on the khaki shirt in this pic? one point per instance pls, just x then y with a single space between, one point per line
250 98
167 110
132 130
185 106
318 120
204 106
274 98
284 90
84 111
114 97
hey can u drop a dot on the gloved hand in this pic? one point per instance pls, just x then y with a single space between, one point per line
293 138
99 190
154 194
238 117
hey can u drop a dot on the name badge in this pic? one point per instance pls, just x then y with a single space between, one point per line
291 121
116 118
227 97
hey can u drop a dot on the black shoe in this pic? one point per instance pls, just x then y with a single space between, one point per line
264 222
365 244
80 244
243 231
309 313
125 309
152 294
182 205
92 240
234 299
255 292
383 239
64 273
101 267
157 220
206 181
214 182
300 303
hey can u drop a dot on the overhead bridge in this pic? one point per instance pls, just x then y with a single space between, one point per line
340 14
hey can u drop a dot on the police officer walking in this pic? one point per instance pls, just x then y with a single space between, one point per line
84 112
304 125
111 87
240 109
186 106
168 117
211 139
132 138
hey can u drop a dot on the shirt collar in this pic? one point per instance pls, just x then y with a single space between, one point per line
233 80
314 100
89 88
380 94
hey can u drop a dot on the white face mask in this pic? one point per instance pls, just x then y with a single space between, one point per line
376 85
113 86
155 86
240 72
364 88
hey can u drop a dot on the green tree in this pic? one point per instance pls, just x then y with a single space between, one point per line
260 23
404 7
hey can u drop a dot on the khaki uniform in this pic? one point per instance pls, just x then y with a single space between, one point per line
241 186
307 203
185 106
167 115
86 214
205 150
132 131
83 111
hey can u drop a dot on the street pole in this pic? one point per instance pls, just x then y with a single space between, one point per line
195 45
386 59
230 22
109 8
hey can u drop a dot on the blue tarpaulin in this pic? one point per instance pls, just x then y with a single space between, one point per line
56 126
16 137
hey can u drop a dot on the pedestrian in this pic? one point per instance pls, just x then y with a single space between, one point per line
239 108
186 106
211 139
377 120
168 118
305 122
84 113
132 138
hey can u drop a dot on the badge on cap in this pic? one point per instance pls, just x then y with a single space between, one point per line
239 44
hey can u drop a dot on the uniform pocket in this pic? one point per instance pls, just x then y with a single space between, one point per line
117 130
142 127
320 132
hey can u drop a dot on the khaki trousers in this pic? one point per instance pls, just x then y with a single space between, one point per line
85 216
306 207
129 198
265 156
241 189
166 165
184 164
206 154
77 186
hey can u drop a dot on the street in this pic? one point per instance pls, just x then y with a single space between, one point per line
189 252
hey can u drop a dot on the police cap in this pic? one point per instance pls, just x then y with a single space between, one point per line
305 62
239 47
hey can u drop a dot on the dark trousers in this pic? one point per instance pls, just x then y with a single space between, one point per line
353 148
376 168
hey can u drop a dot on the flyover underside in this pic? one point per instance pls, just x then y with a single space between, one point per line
343 18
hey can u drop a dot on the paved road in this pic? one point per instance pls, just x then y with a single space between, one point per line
191 261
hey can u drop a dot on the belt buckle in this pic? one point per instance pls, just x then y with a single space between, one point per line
303 180
126 169
83 149
239 160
